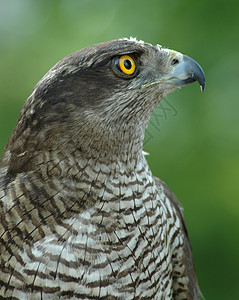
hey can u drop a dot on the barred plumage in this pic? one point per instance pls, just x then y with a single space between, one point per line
82 217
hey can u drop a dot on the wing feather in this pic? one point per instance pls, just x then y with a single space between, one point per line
194 292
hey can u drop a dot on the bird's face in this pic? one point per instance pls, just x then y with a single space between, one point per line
119 75
104 94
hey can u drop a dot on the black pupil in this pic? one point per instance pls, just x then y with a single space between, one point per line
127 64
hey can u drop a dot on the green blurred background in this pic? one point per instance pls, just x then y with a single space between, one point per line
192 138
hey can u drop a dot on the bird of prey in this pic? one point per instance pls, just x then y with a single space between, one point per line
81 215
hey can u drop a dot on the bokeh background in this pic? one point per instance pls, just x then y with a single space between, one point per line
193 137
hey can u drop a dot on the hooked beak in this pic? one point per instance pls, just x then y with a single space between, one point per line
186 71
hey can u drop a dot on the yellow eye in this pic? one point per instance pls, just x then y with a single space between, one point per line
127 64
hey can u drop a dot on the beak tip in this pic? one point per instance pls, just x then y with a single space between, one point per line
202 86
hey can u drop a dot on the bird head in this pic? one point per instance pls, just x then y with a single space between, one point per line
100 99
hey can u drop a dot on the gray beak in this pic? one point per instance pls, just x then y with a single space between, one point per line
186 71
194 72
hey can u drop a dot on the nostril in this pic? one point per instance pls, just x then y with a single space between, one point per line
174 61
